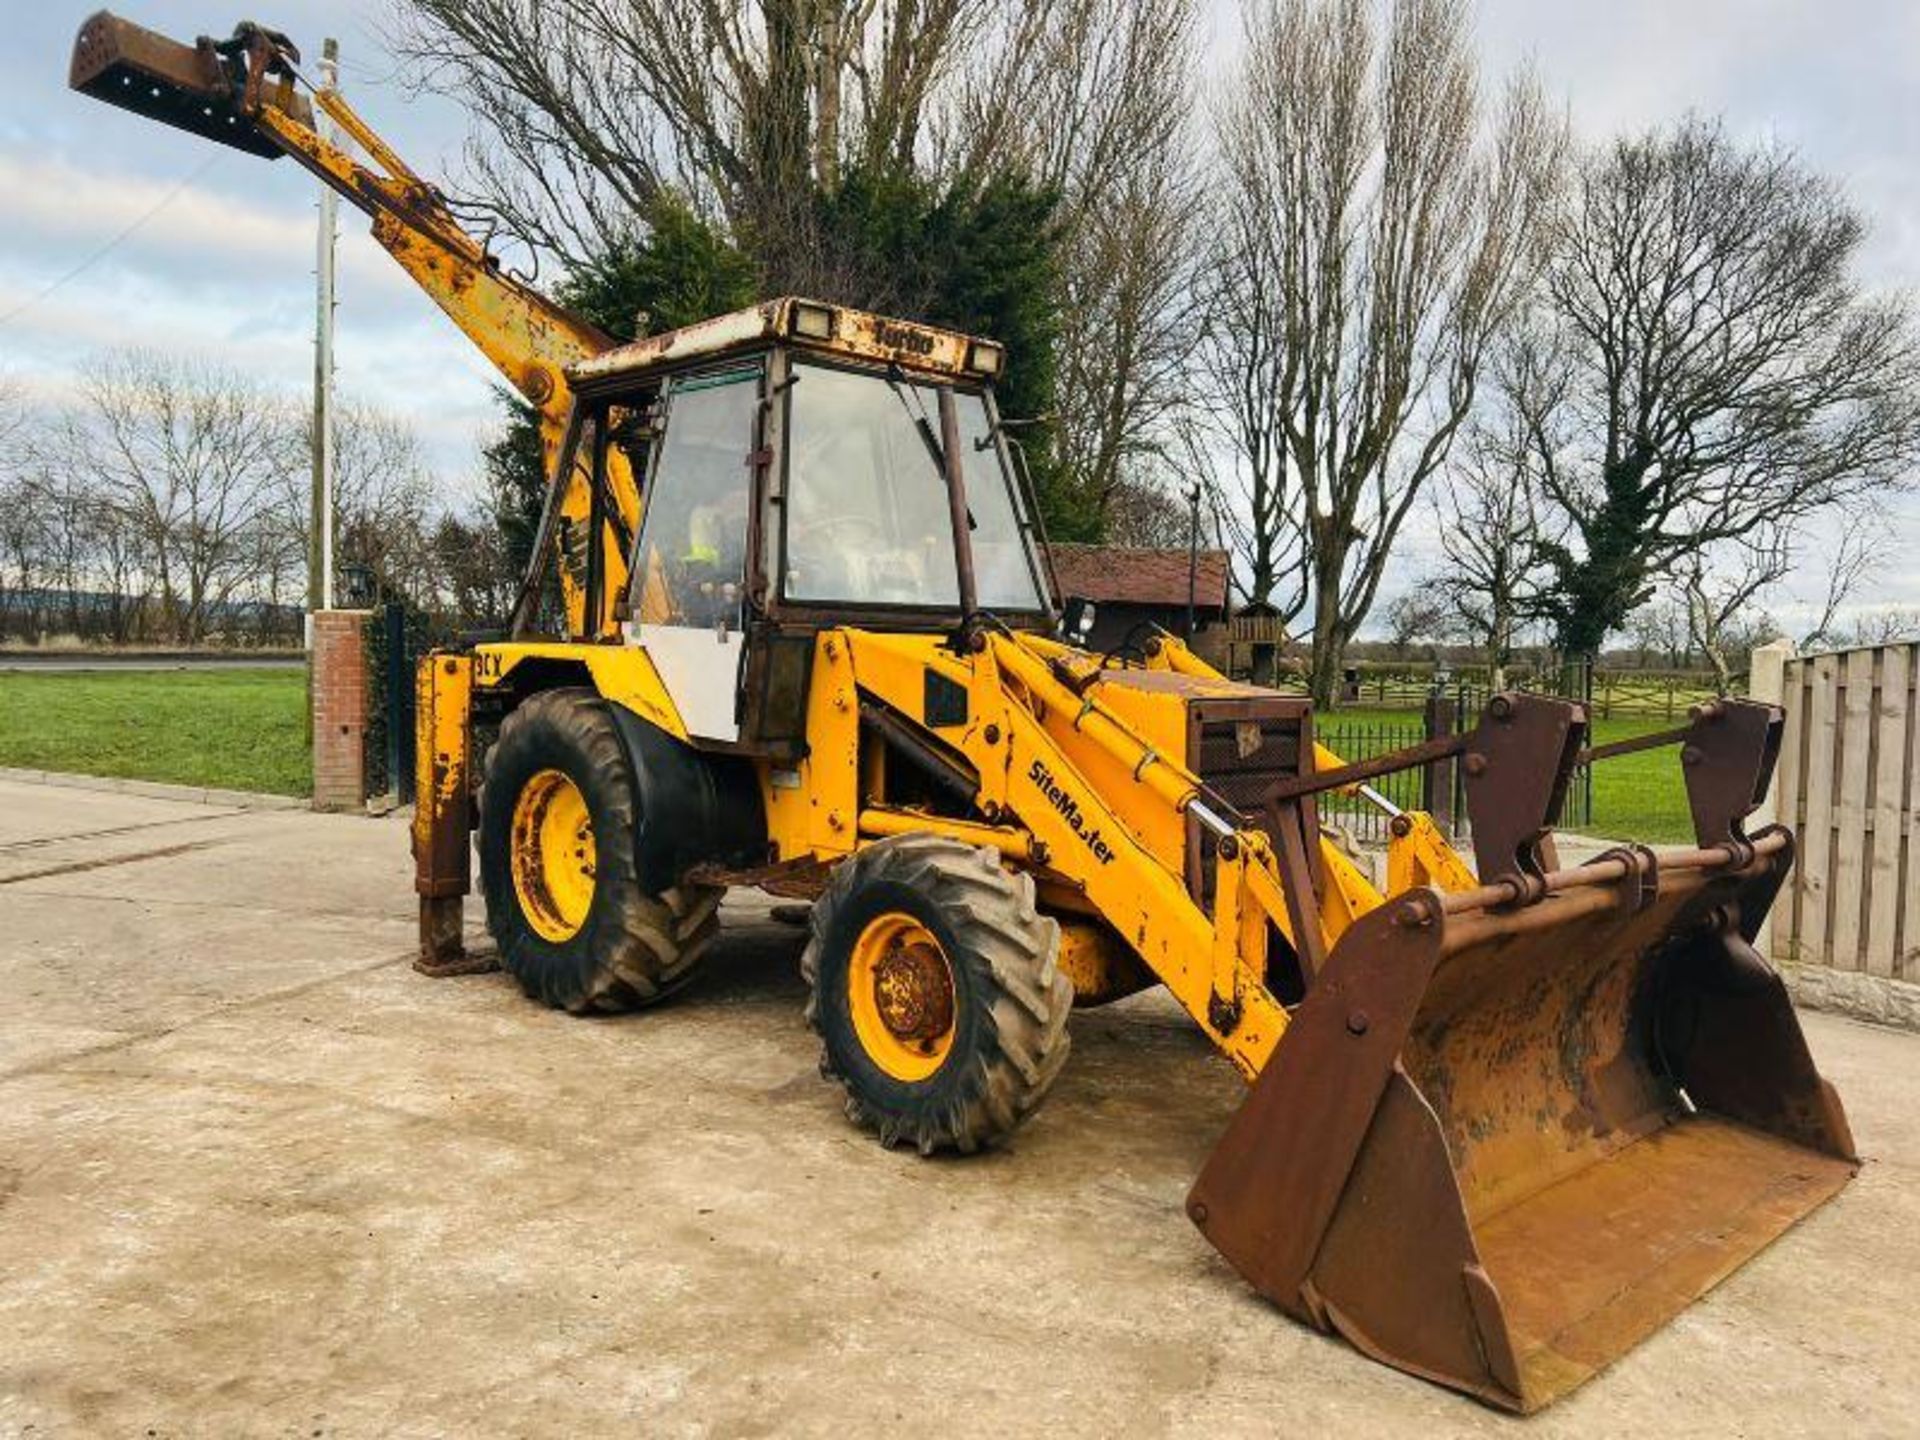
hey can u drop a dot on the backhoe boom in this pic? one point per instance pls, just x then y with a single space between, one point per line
245 92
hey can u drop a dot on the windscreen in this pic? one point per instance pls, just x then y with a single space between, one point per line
867 519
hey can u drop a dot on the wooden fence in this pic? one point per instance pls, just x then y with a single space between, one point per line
1849 786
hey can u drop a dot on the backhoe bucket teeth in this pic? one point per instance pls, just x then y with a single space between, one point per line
1498 1146
191 87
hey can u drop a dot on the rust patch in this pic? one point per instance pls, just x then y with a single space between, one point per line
913 992
1561 1123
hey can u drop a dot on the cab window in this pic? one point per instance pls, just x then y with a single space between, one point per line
693 536
1003 571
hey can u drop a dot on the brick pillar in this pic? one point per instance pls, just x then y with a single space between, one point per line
339 709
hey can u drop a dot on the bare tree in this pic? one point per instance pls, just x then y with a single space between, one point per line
67 504
1246 366
1421 615
384 504
1659 634
1382 229
1119 75
23 547
1865 544
192 460
1721 593
591 109
77 566
1719 373
169 502
1494 530
761 112
19 526
1892 625
116 571
1144 513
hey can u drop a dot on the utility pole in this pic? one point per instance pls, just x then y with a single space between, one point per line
320 546
1193 553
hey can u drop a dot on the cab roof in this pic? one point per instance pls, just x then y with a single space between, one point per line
804 324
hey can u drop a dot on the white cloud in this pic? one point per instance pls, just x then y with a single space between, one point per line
58 213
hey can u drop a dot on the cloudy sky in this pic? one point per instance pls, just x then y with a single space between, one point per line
222 263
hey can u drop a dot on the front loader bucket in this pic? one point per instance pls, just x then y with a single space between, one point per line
1499 1145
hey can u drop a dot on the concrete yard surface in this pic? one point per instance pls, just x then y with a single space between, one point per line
258 1177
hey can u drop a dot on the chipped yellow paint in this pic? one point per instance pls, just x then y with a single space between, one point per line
621 673
552 856
900 993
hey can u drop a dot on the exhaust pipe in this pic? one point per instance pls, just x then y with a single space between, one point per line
208 88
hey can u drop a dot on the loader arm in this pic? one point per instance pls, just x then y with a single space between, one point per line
1520 1118
1032 740
246 93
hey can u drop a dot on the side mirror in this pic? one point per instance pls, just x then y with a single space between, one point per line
1076 620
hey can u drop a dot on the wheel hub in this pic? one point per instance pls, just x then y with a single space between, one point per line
913 991
900 990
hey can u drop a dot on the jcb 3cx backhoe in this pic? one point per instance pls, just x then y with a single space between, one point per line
1500 1127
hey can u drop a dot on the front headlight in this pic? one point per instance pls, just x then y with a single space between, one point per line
986 358
811 321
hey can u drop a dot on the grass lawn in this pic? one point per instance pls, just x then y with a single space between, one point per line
1635 797
235 729
246 730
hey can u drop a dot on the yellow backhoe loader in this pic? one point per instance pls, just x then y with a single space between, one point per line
1503 1121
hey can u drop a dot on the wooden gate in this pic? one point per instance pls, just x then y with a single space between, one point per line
1849 786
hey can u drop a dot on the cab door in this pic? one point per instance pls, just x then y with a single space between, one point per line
691 555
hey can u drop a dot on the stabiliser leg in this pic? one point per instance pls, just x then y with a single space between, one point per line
442 816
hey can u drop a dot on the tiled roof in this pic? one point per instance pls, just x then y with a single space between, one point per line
1139 577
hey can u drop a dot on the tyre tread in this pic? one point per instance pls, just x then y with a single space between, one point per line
1024 1040
656 942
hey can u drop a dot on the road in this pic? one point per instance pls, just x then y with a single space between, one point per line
259 1177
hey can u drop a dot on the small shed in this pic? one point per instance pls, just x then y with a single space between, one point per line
1129 587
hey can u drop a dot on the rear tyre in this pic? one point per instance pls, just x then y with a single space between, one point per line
935 993
564 900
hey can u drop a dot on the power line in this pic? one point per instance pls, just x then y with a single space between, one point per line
107 249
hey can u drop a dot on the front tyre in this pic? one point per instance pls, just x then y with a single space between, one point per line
564 901
935 993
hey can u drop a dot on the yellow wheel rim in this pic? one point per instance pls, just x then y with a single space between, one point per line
553 855
900 989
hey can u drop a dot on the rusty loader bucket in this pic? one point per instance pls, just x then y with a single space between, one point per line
1510 1133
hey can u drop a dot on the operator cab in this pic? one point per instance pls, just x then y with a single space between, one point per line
793 466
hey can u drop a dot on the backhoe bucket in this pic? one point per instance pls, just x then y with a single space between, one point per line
1507 1136
201 88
